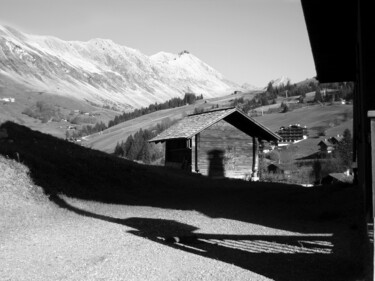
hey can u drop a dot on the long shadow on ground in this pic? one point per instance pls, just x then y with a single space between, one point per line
291 257
60 167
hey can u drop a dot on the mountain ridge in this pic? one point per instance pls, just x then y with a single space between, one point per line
105 73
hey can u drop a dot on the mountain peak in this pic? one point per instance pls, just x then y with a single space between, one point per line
283 80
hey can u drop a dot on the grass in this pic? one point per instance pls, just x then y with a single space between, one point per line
312 116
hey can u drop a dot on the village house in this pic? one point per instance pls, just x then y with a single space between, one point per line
335 139
218 143
327 146
292 133
8 99
276 168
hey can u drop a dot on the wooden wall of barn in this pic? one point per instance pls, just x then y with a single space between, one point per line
223 150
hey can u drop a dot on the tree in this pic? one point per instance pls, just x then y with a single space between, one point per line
119 151
198 110
127 145
301 98
318 96
133 151
274 155
344 150
270 88
284 107
264 100
317 171
67 134
145 154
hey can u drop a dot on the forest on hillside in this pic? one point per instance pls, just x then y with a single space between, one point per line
136 147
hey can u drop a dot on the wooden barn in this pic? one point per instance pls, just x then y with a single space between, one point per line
218 143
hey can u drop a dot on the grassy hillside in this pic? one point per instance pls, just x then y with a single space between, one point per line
314 117
333 118
26 98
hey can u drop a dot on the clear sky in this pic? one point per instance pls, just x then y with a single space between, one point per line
251 41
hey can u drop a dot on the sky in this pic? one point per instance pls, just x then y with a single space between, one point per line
248 41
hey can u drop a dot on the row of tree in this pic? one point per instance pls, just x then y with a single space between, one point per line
85 130
188 98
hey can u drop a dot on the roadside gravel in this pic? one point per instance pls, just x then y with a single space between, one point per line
74 247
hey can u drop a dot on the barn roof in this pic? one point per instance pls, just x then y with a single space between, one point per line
195 123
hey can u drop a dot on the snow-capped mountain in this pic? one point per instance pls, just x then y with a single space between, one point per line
103 72
283 80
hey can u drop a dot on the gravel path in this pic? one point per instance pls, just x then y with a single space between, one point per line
74 247
61 245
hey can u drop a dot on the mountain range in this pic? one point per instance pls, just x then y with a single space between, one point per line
104 73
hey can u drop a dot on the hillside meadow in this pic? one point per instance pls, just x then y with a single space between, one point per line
334 119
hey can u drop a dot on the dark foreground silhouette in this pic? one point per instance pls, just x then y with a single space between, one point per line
339 253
